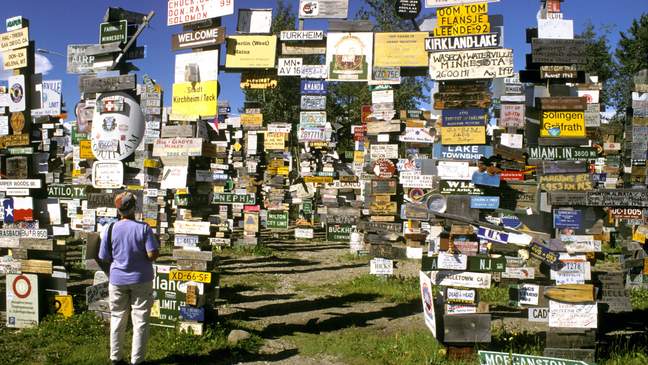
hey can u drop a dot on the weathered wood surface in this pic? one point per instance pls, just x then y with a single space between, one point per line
107 84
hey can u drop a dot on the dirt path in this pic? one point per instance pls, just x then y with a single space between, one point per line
270 295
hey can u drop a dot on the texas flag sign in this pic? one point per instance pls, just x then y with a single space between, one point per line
23 209
8 205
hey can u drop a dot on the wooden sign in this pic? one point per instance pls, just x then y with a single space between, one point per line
617 198
323 9
490 357
452 65
78 61
15 59
199 38
22 300
562 103
562 153
562 124
180 12
558 51
16 39
461 279
105 84
463 135
191 227
554 72
569 182
310 48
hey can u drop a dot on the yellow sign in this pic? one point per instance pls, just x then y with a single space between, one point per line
463 135
251 51
283 170
275 141
318 179
197 276
358 157
151 222
259 80
198 98
405 49
149 163
63 305
16 39
563 124
12 60
85 150
462 20
252 120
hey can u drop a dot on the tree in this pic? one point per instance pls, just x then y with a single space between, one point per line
632 56
598 59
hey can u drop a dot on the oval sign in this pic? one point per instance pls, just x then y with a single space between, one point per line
116 132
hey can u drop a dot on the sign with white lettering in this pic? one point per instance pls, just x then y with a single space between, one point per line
466 153
496 358
198 38
78 61
465 42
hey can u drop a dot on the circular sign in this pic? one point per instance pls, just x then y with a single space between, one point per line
16 92
408 9
116 133
17 122
383 168
21 286
437 203
416 194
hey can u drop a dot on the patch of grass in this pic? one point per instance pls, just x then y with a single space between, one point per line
244 251
364 346
639 298
84 339
352 258
392 289
494 296
267 282
524 342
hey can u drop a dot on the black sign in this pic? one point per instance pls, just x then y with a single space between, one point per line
198 38
113 32
66 191
408 9
558 51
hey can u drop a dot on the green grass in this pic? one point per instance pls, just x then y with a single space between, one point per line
494 295
352 258
364 346
266 282
84 339
639 299
392 289
244 251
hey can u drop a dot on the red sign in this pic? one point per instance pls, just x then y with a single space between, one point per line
512 176
553 6
252 208
365 112
383 168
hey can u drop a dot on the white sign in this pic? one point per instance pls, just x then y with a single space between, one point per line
380 266
444 3
191 227
567 315
289 67
127 127
181 12
107 174
387 151
460 309
22 300
462 279
177 147
528 294
512 140
325 9
301 35
461 295
522 273
50 98
174 177
427 297
314 71
382 96
17 92
196 66
540 314
449 261
555 29
580 243
19 184
304 233
416 135
454 170
414 179
479 64
279 128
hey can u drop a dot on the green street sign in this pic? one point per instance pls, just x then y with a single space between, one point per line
278 220
338 232
229 198
475 264
503 358
113 32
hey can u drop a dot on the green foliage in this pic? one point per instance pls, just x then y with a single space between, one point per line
598 58
391 289
631 58
242 251
494 295
639 298
515 342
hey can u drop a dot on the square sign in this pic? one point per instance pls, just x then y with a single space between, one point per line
113 32
22 300
567 219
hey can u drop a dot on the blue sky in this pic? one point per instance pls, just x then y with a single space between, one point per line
55 24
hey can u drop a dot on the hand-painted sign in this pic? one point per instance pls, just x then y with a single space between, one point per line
463 117
558 51
512 115
181 12
466 42
463 135
570 182
479 64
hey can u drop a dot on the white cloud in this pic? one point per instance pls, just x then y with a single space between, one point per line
43 66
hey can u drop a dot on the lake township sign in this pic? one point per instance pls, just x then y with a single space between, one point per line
504 358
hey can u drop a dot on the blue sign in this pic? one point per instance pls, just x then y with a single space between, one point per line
483 178
567 218
511 221
314 87
463 117
192 314
465 153
484 202
492 235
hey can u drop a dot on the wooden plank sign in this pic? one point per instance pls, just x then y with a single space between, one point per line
459 65
461 279
558 51
181 254
198 38
562 103
106 84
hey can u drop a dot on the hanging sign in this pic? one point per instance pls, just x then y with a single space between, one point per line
563 124
480 64
349 56
251 51
126 127
199 99
323 9
404 49
107 174
181 12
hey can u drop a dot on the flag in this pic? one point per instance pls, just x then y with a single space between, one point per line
23 209
8 205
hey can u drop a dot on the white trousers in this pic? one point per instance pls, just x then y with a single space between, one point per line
136 299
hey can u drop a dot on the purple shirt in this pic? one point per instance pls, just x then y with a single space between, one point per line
129 263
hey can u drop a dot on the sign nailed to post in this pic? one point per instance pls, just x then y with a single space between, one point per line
180 12
324 9
198 38
481 64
